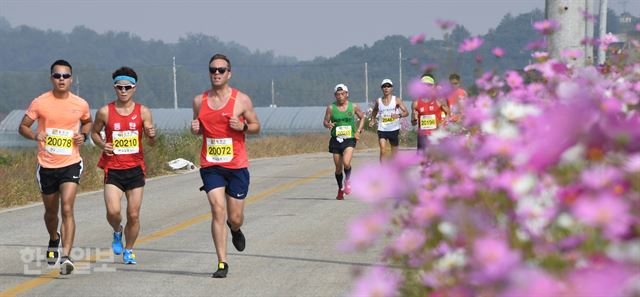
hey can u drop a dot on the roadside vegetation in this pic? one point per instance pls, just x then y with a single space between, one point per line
17 167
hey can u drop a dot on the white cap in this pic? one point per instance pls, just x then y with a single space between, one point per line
386 81
340 87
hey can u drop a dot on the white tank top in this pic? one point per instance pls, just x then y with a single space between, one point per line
385 121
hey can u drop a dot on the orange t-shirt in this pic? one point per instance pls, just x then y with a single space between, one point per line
60 119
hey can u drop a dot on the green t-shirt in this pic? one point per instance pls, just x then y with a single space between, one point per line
345 124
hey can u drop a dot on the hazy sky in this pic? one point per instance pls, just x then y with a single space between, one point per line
301 28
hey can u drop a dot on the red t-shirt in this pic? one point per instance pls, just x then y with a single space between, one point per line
429 116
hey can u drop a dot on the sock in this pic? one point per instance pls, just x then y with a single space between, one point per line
339 180
347 172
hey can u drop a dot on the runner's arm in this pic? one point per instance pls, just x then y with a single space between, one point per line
327 118
195 123
361 116
25 129
147 124
250 116
98 125
414 113
403 108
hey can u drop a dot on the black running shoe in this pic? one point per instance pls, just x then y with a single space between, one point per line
52 251
237 238
223 269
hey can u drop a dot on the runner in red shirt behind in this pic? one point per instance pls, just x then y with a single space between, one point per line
455 98
124 122
427 114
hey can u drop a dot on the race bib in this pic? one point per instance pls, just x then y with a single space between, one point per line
219 150
387 119
125 142
344 132
59 141
428 122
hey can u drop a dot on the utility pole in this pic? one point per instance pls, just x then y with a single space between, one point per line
175 90
602 55
400 68
78 85
273 94
569 14
588 47
366 84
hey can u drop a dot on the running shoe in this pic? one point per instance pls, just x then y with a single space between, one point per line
129 257
67 266
223 269
340 195
237 238
53 254
347 186
116 244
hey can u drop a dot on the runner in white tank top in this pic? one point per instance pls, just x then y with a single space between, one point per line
387 112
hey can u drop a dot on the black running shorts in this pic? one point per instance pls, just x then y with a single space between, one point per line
50 179
336 147
125 179
392 136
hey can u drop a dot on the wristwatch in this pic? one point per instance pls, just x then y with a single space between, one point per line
245 128
85 137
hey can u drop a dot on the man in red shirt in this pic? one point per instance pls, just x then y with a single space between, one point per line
455 98
427 114
223 115
124 122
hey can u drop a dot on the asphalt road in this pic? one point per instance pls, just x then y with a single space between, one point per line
293 224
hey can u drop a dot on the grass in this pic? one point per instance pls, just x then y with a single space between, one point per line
17 167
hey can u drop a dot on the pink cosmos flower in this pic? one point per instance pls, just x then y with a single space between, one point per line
445 24
417 39
498 52
409 241
364 231
632 165
600 177
608 40
638 27
376 183
540 56
470 44
572 53
420 90
379 282
536 45
532 282
606 211
414 61
493 258
479 58
587 16
601 279
514 80
546 27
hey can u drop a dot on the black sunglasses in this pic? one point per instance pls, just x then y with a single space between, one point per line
58 75
124 87
220 70
387 86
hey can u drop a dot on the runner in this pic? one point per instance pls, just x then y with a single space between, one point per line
387 112
457 95
59 113
124 122
339 117
427 114
223 115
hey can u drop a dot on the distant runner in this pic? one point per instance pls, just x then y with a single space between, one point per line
387 112
455 98
339 117
125 122
223 115
427 114
59 114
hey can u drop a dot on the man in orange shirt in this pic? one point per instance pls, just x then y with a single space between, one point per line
59 113
455 98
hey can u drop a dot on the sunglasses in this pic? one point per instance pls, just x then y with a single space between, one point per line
387 86
58 75
220 70
124 87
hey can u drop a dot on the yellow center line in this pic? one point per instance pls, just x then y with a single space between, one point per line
50 276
